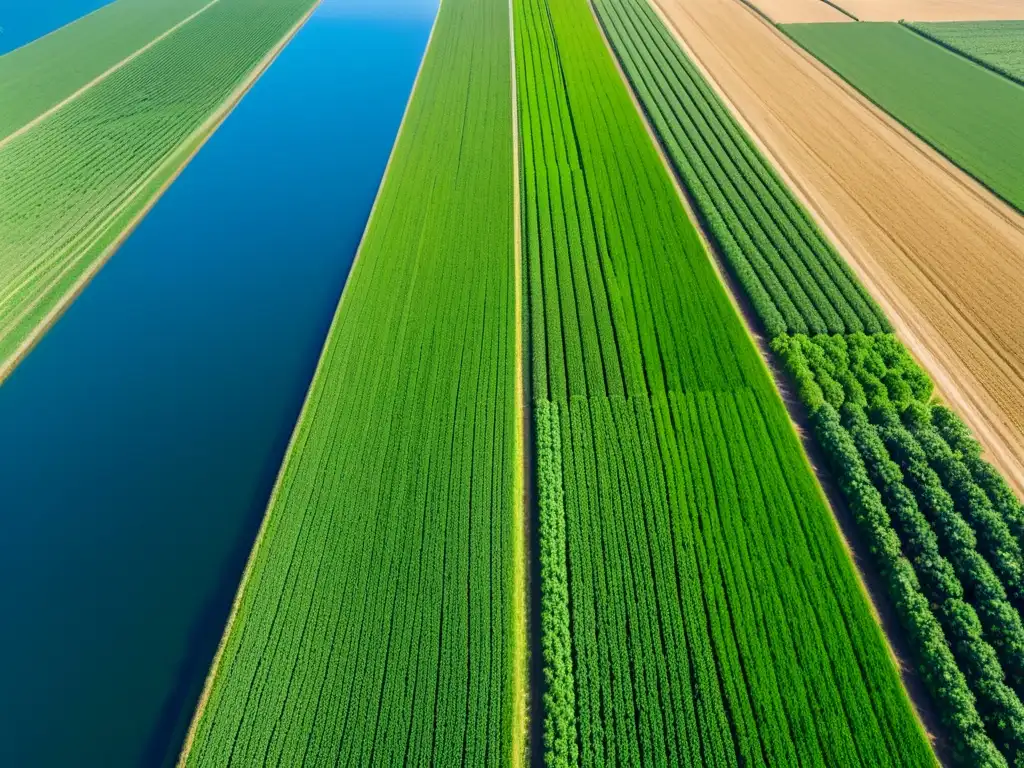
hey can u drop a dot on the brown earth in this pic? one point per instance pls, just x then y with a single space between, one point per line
934 10
943 257
799 11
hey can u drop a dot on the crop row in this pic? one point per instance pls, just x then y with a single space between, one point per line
376 622
997 45
932 509
74 180
943 525
35 77
794 278
697 605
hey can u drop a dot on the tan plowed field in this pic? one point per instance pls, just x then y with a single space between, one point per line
800 11
934 10
943 256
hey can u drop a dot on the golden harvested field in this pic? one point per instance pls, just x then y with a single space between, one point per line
934 10
943 256
799 11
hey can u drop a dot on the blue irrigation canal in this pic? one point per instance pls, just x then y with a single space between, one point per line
139 441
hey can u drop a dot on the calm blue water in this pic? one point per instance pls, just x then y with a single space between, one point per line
139 441
22 21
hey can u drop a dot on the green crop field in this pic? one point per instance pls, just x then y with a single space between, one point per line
377 623
37 76
793 276
698 606
945 532
968 113
998 45
74 181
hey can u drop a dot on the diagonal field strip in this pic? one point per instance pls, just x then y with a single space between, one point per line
391 535
70 205
698 605
752 324
102 76
136 204
306 405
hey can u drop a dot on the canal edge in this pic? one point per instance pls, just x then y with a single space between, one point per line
187 150
215 664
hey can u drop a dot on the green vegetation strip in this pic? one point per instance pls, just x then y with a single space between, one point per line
698 606
945 531
792 274
375 625
969 114
39 75
69 180
794 278
998 45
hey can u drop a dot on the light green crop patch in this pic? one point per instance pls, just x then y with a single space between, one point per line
75 179
971 115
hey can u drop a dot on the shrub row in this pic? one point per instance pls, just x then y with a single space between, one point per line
984 588
995 539
556 640
1000 706
959 438
937 666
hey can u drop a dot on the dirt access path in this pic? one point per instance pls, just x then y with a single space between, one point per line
943 257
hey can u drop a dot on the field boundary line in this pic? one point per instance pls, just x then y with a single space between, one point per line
985 193
523 473
192 144
962 178
797 421
961 53
979 416
306 404
840 9
102 76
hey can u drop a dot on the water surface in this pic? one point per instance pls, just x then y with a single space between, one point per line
140 439
22 21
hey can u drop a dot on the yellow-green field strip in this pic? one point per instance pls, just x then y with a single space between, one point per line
944 530
52 69
380 621
698 604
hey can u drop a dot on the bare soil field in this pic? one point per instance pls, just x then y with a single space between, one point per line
934 10
799 11
943 257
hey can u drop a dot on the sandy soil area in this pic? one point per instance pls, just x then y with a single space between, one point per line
933 10
943 257
799 11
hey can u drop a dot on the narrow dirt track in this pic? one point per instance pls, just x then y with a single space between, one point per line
943 257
